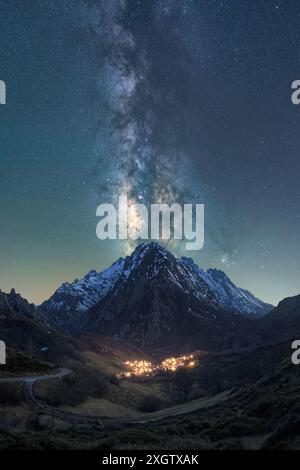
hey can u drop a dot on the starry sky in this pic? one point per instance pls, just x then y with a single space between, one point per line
186 101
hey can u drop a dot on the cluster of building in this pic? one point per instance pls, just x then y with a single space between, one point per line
172 363
138 368
147 368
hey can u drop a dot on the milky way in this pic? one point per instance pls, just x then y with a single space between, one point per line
144 160
163 100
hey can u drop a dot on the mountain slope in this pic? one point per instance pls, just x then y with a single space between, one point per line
14 302
158 302
228 294
26 334
73 299
283 322
42 340
70 302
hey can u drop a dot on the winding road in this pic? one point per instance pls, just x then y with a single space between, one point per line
177 410
37 378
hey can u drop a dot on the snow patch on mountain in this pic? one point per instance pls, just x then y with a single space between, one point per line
150 261
72 299
227 293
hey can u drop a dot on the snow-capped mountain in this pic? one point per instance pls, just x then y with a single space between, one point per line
228 294
157 302
213 287
70 300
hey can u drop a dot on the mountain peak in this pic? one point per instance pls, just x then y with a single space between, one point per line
150 263
152 256
16 303
71 300
151 247
219 276
229 296
217 273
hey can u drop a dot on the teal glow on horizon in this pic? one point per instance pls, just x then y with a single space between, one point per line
184 101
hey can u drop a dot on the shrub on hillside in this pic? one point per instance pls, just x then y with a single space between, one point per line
151 404
10 394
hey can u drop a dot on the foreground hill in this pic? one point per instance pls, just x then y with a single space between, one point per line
41 340
284 321
253 368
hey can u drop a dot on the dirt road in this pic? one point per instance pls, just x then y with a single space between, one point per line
177 410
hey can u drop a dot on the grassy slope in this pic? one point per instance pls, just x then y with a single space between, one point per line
264 414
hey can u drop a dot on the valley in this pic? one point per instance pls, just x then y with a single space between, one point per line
151 352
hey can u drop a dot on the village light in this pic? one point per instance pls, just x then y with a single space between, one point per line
146 368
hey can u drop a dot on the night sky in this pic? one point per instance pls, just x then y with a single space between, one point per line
186 101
